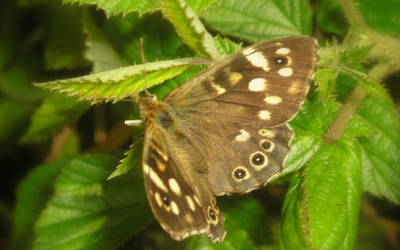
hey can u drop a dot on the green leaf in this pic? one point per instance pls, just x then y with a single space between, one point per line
260 20
309 126
132 158
380 148
382 16
99 51
330 17
321 209
117 84
164 89
241 216
32 195
325 80
198 5
190 28
89 212
161 42
54 113
113 7
368 84
226 46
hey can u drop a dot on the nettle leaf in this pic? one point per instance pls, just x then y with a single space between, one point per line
325 79
241 217
330 17
132 158
260 20
55 112
368 84
164 89
161 42
380 148
198 5
321 208
32 195
226 46
113 7
309 126
89 212
381 16
190 28
114 85
99 51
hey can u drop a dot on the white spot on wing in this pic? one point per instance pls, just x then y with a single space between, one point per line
235 77
285 72
257 84
267 133
264 115
220 90
174 208
273 100
243 136
158 199
294 88
146 169
282 51
156 179
190 203
174 186
196 199
248 51
258 60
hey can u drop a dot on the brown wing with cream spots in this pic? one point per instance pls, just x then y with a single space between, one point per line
237 111
267 81
180 198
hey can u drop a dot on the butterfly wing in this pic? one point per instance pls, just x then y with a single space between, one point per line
237 111
180 197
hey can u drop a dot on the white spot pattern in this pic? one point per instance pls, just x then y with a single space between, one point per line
258 60
174 208
273 100
243 136
264 115
156 179
174 186
282 51
257 84
190 203
285 72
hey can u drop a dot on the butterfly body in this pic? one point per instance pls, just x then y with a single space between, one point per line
225 131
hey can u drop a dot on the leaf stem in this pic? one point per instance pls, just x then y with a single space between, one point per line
360 33
345 114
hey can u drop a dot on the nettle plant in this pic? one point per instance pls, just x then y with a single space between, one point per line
347 132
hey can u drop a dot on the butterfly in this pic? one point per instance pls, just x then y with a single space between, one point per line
225 131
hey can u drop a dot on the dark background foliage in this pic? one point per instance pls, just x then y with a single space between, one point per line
341 184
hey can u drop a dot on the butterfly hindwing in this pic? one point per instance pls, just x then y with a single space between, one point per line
182 206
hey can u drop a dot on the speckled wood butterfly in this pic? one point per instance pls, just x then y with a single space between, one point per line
225 131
